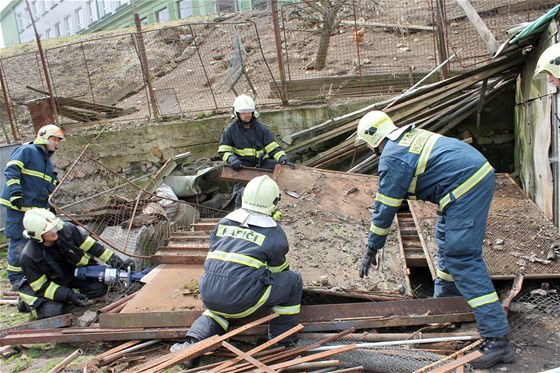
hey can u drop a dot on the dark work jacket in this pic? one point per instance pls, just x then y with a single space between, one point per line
50 275
29 171
250 145
241 265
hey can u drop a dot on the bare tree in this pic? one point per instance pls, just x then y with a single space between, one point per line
327 15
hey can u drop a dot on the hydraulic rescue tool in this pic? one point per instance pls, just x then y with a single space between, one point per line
109 276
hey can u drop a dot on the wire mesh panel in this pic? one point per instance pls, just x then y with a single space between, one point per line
215 63
120 212
383 359
518 235
87 91
372 48
535 311
499 16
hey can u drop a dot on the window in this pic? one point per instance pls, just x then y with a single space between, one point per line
144 21
162 15
106 7
92 6
69 25
185 8
81 19
39 8
56 30
20 22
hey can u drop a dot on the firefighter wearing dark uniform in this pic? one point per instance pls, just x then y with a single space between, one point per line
246 142
246 269
418 164
30 179
54 250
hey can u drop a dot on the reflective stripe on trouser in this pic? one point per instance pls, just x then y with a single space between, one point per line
285 294
15 272
459 235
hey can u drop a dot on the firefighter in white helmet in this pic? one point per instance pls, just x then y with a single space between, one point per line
54 250
30 179
419 164
548 65
247 270
246 142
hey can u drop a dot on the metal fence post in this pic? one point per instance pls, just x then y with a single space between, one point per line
283 95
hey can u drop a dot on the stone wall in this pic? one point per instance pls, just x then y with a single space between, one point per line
133 151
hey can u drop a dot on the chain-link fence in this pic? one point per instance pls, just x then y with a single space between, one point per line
365 48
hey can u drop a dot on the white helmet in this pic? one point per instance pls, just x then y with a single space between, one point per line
244 104
38 222
261 195
374 127
47 131
549 62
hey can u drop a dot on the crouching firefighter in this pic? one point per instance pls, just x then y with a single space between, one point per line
54 250
246 269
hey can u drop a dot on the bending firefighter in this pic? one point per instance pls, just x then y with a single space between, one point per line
246 269
246 142
54 250
30 179
418 164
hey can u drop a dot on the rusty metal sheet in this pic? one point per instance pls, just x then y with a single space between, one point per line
326 216
90 335
246 173
60 321
168 290
518 235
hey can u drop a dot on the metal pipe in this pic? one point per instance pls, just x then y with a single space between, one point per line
395 343
109 359
379 337
117 303
422 80
314 365
60 366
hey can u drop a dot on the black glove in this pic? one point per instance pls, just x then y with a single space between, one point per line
236 164
16 199
367 261
77 299
292 165
116 262
129 263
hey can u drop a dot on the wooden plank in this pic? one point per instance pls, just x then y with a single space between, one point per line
197 349
480 27
458 362
247 357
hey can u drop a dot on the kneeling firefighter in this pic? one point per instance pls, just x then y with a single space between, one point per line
54 250
246 269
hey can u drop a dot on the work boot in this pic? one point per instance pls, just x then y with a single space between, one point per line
494 350
188 364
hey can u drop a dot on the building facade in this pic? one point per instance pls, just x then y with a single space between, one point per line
55 18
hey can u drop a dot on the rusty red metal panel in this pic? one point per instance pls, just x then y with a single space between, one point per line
89 335
51 322
247 173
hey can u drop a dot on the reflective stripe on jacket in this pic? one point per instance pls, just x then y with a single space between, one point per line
426 166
